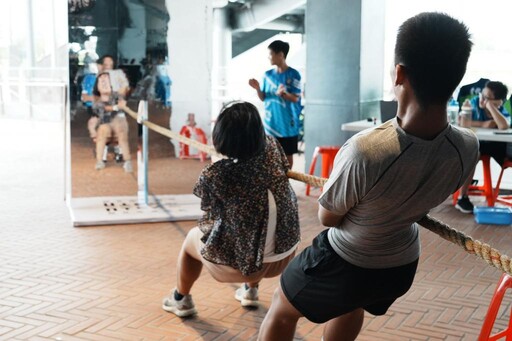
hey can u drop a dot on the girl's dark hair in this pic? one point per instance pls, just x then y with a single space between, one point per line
95 90
239 131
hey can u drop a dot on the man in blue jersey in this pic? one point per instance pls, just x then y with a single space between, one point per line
280 91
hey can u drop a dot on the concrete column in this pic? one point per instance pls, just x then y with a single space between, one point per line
333 29
344 67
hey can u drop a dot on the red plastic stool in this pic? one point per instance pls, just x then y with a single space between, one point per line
485 334
196 134
503 199
328 154
486 188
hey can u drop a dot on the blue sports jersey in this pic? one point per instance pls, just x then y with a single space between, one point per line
87 86
281 116
478 114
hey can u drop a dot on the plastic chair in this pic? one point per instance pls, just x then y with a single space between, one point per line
504 283
196 134
486 188
503 199
328 153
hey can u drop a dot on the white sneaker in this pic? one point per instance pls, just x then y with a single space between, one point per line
99 165
182 308
128 166
248 297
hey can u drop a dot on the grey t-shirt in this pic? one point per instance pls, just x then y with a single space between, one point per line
383 181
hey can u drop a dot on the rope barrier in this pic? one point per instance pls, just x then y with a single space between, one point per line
484 251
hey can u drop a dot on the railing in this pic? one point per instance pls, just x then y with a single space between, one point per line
34 99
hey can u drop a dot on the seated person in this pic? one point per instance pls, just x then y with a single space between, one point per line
250 228
487 111
108 106
104 64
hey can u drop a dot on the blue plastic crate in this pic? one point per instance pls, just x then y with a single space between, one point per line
493 215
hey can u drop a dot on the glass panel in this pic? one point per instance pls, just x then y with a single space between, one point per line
134 34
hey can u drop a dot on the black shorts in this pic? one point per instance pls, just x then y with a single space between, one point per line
322 285
496 150
289 144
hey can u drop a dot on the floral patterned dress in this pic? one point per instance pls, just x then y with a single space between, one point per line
234 196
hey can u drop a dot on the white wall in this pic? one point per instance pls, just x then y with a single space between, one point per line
190 58
254 62
372 61
488 24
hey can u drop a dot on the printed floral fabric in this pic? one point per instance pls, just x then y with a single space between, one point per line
234 196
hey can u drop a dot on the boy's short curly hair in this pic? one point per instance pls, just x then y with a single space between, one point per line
434 49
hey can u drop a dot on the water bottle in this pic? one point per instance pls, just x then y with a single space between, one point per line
452 111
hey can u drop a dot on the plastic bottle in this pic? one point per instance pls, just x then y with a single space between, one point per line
452 110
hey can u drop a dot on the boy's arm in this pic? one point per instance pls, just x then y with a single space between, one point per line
292 91
328 218
493 107
256 85
281 91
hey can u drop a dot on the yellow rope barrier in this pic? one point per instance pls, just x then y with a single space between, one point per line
492 256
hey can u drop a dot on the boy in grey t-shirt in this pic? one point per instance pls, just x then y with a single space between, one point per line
384 180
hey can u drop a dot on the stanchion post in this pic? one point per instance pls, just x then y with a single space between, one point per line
142 156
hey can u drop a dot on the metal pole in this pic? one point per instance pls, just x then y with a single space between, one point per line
66 146
142 157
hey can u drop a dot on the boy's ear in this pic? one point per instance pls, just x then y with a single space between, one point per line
400 74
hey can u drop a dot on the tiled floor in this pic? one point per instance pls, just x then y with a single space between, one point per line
106 283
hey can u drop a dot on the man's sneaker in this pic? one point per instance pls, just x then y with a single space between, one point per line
247 296
464 205
99 165
181 308
128 166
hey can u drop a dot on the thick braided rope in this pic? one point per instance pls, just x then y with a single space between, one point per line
484 251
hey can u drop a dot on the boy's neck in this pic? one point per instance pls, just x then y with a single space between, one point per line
282 67
423 123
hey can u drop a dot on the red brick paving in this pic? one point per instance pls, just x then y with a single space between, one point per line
106 283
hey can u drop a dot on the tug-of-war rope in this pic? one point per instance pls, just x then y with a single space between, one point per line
484 251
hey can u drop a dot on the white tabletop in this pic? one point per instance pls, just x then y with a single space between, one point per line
359 125
483 134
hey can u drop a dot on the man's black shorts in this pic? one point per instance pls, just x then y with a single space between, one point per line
322 285
289 144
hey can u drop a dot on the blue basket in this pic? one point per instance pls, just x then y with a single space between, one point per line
493 215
